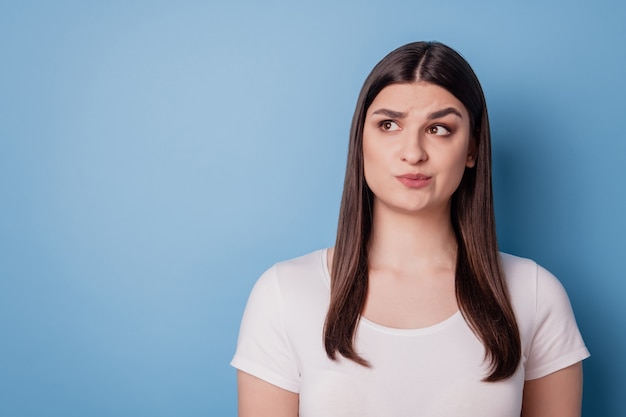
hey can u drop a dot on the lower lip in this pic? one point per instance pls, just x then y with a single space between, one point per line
414 183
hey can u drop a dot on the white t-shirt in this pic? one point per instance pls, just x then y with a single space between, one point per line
433 371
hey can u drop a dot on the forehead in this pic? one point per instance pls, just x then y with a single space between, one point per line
417 98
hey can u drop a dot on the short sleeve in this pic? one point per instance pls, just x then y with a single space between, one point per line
263 348
557 342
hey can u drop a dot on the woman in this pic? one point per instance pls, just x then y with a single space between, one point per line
414 312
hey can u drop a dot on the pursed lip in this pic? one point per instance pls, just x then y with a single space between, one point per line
414 180
414 176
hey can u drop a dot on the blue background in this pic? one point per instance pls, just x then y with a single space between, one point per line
156 157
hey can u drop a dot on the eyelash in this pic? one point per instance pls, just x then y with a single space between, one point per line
382 124
448 130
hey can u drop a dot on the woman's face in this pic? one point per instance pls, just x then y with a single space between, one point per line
416 146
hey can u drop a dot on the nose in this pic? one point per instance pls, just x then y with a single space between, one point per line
413 151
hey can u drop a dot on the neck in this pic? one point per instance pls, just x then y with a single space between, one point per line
409 240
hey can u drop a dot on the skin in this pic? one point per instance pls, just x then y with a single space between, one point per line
557 394
258 398
415 128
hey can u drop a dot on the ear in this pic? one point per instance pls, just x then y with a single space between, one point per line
470 161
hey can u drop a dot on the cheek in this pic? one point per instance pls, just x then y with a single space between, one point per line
369 171
457 170
370 159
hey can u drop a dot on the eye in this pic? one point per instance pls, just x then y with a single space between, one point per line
439 130
388 125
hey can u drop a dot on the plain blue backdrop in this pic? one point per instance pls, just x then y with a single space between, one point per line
156 157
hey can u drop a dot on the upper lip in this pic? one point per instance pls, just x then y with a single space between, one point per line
414 176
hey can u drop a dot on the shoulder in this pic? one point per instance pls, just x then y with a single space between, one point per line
522 270
534 292
526 280
303 272
294 282
550 336
286 303
311 263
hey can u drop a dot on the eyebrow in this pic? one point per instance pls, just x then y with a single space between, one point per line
391 113
444 112
434 115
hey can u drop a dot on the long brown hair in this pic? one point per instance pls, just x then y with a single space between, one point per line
480 288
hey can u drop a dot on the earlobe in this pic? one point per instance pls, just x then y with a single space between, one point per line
470 162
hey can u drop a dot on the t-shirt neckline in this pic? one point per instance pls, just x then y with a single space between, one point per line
392 330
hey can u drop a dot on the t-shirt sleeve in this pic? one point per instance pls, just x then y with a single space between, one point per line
263 348
557 342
